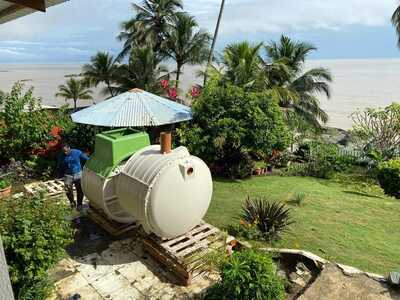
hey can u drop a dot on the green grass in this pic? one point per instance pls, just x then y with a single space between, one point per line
346 223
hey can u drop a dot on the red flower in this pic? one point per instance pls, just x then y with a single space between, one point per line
172 93
195 91
55 132
164 83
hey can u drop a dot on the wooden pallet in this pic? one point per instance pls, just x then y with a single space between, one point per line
49 188
175 253
112 227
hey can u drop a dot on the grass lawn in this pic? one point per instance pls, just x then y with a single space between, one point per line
346 223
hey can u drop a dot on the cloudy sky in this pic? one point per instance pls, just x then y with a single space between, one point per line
74 31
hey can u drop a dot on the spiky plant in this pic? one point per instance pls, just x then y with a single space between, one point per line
271 218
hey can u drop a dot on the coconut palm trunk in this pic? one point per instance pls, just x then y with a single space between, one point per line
221 10
178 74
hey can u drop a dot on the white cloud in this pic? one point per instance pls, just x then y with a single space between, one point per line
259 16
79 28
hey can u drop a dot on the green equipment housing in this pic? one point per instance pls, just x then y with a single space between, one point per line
113 147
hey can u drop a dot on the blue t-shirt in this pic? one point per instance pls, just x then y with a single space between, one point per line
71 163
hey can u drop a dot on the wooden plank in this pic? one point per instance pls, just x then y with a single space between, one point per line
34 4
198 228
112 227
10 10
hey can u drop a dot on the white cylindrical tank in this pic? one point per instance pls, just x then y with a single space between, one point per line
168 194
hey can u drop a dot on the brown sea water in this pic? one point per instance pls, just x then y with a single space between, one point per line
357 84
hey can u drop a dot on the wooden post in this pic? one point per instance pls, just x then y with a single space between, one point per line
166 142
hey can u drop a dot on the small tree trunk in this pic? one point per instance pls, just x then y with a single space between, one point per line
178 74
109 89
75 100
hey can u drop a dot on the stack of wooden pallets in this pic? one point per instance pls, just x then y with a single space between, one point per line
50 188
112 227
174 253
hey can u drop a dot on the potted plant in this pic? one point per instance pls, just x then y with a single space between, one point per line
5 187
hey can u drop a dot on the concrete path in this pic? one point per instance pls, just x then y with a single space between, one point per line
121 272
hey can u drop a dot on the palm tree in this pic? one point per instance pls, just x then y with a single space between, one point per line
150 25
298 89
241 64
142 71
74 89
396 22
101 69
185 44
211 54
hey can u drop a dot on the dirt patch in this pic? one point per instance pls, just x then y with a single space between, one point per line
333 284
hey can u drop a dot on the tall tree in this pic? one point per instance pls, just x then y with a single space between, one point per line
186 44
150 25
214 41
75 89
396 22
100 70
241 64
301 87
142 71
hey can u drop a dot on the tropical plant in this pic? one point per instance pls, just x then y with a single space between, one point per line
186 44
4 183
34 232
227 120
271 218
214 41
242 65
298 199
149 26
396 22
248 275
100 70
143 71
25 126
75 89
378 130
389 177
298 89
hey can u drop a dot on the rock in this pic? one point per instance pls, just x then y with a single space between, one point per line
394 278
301 269
348 270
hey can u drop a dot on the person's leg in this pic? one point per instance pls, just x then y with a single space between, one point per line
68 186
79 192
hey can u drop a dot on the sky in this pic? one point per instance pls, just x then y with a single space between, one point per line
77 29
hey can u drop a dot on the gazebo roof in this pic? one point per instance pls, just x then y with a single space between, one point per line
136 108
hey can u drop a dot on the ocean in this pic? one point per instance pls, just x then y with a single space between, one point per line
357 84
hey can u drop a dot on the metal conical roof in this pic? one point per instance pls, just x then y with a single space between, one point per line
136 108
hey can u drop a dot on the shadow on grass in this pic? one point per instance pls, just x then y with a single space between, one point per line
362 194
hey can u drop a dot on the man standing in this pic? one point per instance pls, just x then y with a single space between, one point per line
70 164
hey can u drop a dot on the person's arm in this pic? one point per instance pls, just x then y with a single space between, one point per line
83 157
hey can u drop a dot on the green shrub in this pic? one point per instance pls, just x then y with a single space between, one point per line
80 136
321 160
298 199
270 218
239 165
230 121
248 275
389 177
25 125
4 183
34 233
